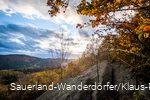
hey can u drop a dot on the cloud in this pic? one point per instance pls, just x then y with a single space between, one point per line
27 8
17 38
32 25
19 31
64 27
32 41
38 9
83 33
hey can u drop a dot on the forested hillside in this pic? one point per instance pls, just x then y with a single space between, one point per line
21 62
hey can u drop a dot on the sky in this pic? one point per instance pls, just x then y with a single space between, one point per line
27 28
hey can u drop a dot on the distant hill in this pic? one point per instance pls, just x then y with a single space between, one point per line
17 61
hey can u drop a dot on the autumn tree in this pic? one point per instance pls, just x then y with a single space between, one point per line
133 30
9 77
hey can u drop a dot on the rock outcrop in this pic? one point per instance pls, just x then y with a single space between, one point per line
117 75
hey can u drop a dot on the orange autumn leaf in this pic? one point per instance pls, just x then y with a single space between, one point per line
119 1
146 28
